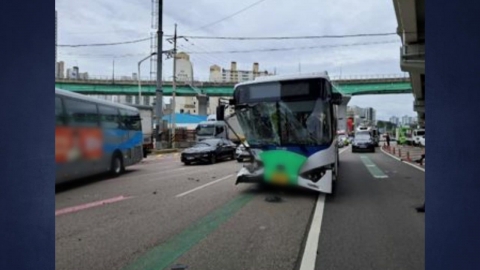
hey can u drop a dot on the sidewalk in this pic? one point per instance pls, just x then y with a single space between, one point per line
406 153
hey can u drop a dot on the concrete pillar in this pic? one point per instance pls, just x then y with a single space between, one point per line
342 113
202 104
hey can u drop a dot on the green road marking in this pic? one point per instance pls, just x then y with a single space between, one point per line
163 255
372 168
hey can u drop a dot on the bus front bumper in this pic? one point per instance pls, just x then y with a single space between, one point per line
245 176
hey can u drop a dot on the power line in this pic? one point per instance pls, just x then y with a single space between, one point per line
231 38
105 44
292 37
296 48
242 51
229 16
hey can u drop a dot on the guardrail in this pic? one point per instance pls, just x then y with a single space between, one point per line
370 77
197 82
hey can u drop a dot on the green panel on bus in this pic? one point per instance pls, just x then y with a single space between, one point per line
282 167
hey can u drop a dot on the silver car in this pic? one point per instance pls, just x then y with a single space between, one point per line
241 153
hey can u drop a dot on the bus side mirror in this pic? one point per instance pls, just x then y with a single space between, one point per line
220 112
337 98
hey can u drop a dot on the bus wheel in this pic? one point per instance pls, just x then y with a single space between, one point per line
116 168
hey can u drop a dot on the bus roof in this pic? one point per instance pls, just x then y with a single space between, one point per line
290 77
92 99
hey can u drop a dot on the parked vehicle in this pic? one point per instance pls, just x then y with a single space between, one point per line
241 153
146 113
363 142
343 140
219 129
422 141
209 151
413 136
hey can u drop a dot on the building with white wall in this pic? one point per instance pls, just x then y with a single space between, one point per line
234 75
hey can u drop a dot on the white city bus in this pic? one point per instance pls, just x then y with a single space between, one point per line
291 127
93 136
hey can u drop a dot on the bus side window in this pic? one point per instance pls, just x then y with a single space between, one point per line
80 113
59 113
109 117
130 120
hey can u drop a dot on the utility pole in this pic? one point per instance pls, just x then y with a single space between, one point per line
159 90
174 84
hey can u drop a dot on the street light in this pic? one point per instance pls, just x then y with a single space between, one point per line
139 77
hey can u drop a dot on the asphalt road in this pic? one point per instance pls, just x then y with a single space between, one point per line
162 213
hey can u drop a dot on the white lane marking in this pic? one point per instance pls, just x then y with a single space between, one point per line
310 253
415 166
203 186
370 165
343 150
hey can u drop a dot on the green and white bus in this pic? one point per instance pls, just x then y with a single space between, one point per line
291 127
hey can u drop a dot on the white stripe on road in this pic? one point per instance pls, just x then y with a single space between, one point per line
343 150
311 247
203 186
310 253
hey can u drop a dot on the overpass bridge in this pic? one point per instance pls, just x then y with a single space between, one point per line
352 86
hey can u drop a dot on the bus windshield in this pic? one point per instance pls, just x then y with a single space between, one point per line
284 123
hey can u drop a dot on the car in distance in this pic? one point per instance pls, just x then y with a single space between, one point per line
363 142
209 151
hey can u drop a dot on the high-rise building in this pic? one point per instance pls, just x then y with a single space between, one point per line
235 75
370 115
184 68
406 120
73 73
394 120
60 70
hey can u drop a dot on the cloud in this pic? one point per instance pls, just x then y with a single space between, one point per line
99 21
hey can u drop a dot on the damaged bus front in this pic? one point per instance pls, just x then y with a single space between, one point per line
290 125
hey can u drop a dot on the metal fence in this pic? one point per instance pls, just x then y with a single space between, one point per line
199 82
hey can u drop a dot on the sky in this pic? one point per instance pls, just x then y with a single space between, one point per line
107 21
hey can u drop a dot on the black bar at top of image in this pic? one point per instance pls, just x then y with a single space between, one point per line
452 101
27 192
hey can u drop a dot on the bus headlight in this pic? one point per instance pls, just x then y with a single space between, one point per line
315 174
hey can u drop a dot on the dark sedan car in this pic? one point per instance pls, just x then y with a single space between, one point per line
209 151
363 143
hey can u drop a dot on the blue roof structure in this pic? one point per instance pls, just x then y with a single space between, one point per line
182 118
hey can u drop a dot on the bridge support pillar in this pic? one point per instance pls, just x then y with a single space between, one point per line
202 104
